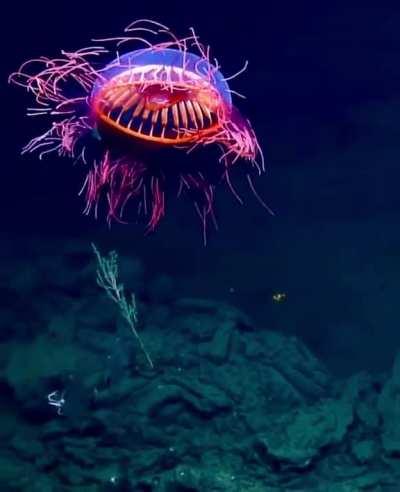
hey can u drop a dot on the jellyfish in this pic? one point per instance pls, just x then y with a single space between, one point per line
117 105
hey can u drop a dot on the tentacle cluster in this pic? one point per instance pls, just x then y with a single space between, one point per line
186 104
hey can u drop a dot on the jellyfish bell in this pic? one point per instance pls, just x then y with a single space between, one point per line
167 95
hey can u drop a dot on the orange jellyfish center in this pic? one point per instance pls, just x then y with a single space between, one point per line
165 108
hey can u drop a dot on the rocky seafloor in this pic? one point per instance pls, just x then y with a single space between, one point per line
228 407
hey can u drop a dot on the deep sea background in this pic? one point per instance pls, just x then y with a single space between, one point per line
323 94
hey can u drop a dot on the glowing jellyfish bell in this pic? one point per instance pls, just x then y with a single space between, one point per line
167 94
